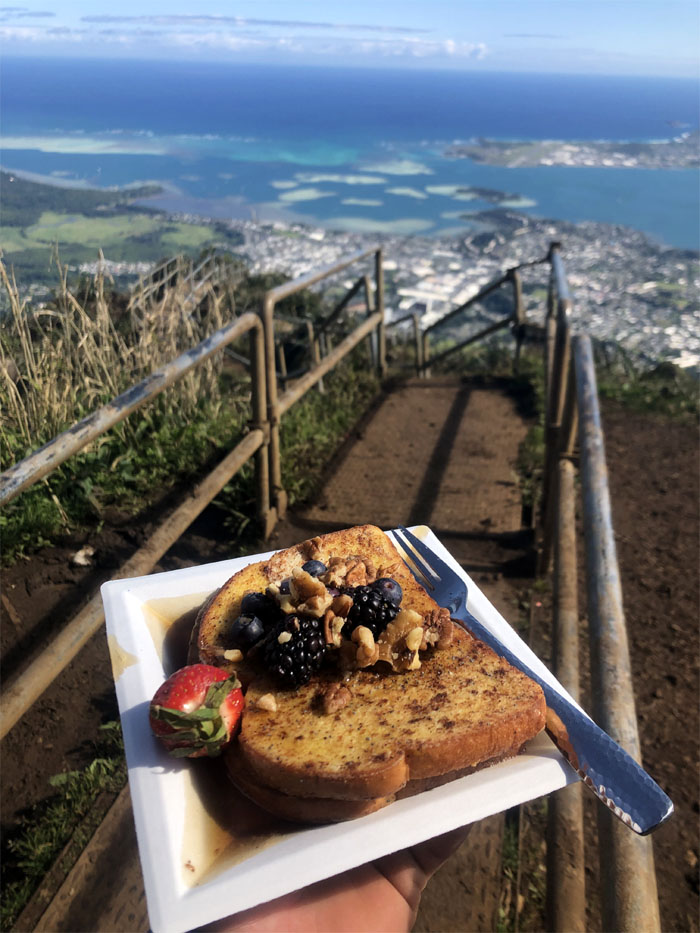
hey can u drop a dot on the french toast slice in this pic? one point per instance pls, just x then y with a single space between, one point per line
324 809
462 707
296 809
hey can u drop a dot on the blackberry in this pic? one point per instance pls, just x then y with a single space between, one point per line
371 609
294 659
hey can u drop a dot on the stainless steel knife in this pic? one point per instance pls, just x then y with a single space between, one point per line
603 765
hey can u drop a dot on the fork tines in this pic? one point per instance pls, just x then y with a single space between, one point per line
428 564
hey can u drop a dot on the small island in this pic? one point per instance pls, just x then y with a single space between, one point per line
682 151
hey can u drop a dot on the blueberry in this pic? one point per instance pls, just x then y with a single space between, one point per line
262 606
314 567
284 587
389 589
246 630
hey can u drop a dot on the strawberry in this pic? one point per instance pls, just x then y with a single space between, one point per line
196 711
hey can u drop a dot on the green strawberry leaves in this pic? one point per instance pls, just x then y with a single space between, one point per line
201 728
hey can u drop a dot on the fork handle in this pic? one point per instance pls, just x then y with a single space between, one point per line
603 765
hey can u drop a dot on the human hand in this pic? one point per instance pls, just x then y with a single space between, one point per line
381 897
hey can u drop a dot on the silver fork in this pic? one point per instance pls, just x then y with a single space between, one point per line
603 766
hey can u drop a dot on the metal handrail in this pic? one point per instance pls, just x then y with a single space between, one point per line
629 894
630 901
43 461
24 690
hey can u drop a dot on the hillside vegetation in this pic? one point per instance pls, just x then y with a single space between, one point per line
37 218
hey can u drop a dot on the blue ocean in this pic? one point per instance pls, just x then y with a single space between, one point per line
358 149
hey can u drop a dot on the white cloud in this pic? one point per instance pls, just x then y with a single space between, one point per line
202 34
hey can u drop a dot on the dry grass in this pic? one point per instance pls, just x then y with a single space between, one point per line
61 362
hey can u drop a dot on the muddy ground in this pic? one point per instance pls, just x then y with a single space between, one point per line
653 466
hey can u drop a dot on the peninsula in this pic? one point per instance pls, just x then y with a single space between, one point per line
682 151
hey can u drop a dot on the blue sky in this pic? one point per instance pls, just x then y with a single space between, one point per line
647 37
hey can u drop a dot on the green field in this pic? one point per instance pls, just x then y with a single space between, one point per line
36 219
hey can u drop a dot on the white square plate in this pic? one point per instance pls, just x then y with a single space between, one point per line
208 853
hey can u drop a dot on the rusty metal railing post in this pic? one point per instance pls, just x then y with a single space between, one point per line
372 342
279 496
629 896
558 368
519 318
426 354
550 326
566 889
258 404
315 354
418 344
379 306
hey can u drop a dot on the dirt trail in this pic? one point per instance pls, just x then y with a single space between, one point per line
441 453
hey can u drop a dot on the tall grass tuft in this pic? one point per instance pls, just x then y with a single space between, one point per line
61 362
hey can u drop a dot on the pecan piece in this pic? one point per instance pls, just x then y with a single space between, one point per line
438 629
333 697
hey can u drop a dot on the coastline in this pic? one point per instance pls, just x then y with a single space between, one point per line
627 288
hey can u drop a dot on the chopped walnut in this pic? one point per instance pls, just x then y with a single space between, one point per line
307 595
267 702
313 548
367 651
341 605
332 628
335 574
356 574
414 638
370 570
333 697
438 631
349 571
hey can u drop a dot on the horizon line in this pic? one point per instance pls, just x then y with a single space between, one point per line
329 66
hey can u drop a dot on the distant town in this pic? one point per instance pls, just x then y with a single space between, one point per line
681 151
625 289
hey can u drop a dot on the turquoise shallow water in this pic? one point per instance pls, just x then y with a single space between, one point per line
349 150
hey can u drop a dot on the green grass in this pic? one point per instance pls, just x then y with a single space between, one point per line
128 467
30 850
77 228
36 217
664 390
13 239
